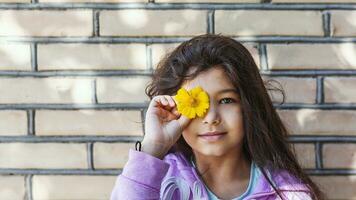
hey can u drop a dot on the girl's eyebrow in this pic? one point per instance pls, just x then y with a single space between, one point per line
228 90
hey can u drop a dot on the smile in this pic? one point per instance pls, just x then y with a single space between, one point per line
212 138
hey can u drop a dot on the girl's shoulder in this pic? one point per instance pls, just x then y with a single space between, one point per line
286 180
290 186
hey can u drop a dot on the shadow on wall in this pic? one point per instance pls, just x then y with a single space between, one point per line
15 57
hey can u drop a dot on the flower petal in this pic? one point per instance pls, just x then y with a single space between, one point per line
192 103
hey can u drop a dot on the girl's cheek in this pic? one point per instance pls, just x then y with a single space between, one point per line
231 109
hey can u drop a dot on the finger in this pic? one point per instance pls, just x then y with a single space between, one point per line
174 100
162 113
171 117
164 101
171 104
170 100
183 121
166 115
175 111
159 101
156 100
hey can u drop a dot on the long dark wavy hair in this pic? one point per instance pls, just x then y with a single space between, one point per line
265 141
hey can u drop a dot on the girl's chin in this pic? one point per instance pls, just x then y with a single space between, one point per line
211 151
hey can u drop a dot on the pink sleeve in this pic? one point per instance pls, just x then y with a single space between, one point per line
141 177
296 195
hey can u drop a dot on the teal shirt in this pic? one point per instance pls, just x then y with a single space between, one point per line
254 175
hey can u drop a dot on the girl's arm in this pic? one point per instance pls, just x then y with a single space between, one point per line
141 177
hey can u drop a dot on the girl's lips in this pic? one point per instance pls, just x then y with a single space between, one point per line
212 138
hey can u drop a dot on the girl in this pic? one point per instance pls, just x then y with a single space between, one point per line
224 141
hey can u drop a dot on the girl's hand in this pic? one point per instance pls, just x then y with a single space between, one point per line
163 126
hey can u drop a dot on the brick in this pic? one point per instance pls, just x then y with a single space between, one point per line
111 155
136 22
311 56
13 123
159 51
318 122
337 187
339 156
313 1
207 1
80 56
43 155
265 22
343 23
15 57
253 49
46 90
94 1
72 187
88 122
339 90
297 90
12 187
46 23
305 155
15 1
122 90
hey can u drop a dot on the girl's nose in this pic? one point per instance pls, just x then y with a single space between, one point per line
212 116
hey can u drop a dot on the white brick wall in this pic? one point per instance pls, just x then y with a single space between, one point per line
72 187
46 23
12 187
166 22
88 122
13 122
72 79
15 57
80 56
43 156
311 56
251 23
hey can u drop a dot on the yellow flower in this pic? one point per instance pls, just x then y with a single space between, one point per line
193 102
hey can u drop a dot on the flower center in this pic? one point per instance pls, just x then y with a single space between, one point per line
193 102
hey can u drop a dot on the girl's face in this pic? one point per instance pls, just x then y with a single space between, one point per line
224 115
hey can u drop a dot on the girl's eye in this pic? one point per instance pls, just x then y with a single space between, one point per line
227 100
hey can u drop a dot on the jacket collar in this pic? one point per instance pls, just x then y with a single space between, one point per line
281 179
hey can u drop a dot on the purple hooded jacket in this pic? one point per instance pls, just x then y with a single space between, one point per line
147 177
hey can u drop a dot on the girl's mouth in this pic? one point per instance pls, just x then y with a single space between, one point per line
212 137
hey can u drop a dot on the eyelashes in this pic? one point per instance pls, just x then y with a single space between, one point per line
230 100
